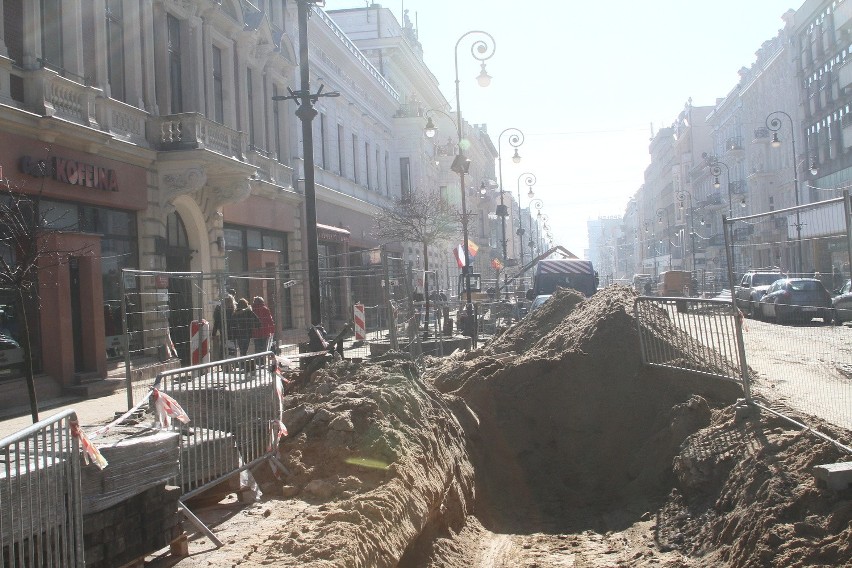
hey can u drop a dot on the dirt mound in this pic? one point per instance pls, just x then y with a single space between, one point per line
551 446
746 496
574 421
376 459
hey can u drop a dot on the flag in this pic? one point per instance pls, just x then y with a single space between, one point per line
496 264
458 252
472 248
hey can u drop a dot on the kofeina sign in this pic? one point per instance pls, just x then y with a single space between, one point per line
71 172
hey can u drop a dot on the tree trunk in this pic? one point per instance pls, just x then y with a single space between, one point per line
28 359
426 282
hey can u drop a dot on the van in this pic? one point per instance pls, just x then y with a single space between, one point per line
643 284
675 283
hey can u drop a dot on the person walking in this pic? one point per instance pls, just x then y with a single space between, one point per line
245 323
218 332
263 333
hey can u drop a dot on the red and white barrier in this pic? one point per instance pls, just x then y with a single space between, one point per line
199 341
360 329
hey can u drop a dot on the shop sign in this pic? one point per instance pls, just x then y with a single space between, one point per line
72 172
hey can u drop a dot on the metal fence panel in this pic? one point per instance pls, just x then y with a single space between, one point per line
232 405
41 514
704 340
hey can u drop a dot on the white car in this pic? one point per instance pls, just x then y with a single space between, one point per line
538 301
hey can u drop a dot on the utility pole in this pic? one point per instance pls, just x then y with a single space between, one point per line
306 113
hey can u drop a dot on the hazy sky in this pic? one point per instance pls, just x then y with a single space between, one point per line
586 81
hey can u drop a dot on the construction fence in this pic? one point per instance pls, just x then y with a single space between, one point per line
41 517
791 354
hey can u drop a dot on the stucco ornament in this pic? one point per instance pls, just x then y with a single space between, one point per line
173 184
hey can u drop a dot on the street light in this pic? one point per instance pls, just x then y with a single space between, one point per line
681 197
306 113
515 139
648 226
534 230
773 123
660 213
529 181
716 170
481 49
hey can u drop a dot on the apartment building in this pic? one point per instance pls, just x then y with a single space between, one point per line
150 133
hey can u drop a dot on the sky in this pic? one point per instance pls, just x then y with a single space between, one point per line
587 83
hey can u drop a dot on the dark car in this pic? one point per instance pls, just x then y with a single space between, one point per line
842 303
800 299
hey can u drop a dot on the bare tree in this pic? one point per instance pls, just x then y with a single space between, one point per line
422 217
23 248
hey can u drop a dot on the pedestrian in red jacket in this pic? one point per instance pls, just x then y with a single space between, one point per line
263 334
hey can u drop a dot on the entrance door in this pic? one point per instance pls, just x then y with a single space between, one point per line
76 316
179 259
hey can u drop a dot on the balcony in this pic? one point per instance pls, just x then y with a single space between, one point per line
192 131
762 135
711 200
734 146
842 16
54 95
739 187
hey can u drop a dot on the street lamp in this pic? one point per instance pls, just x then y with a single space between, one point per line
648 226
681 197
529 181
515 139
773 123
534 230
306 113
481 49
660 213
716 170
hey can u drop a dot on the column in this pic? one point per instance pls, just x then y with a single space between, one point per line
149 82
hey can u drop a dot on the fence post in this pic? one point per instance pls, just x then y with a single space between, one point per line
847 213
386 292
727 225
128 381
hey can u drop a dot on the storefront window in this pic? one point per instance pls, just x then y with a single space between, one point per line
118 251
261 257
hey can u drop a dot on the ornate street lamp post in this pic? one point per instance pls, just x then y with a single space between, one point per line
660 213
515 139
481 49
534 229
681 197
773 123
529 180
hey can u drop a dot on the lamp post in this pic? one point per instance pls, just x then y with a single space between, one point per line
306 113
660 213
529 181
515 139
534 230
481 49
773 123
648 225
716 170
543 219
681 197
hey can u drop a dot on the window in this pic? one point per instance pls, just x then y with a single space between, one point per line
323 156
115 49
355 158
378 177
276 127
51 36
250 101
367 164
218 87
340 150
405 177
175 74
387 173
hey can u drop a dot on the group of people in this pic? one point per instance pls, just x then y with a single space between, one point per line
244 322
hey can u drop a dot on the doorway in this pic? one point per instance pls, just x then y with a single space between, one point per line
76 313
179 259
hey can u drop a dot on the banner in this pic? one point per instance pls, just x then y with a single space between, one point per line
496 264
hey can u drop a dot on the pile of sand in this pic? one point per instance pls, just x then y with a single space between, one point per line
553 429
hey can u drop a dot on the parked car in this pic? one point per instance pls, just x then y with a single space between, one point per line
799 299
539 300
752 287
842 303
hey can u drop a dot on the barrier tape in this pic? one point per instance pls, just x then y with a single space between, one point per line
167 408
91 454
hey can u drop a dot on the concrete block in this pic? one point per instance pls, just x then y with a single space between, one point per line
834 476
179 547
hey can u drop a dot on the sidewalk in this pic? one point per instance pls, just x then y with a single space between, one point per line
89 411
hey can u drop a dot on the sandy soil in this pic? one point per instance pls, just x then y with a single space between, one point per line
551 446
